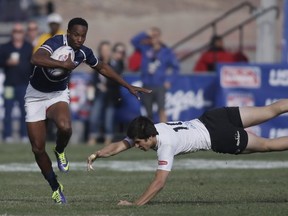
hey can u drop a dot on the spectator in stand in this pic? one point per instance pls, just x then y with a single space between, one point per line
107 94
216 53
15 59
134 61
99 83
118 57
32 34
240 56
54 21
156 61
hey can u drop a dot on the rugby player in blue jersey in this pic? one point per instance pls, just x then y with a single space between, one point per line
47 97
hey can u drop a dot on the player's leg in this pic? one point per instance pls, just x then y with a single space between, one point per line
37 136
36 128
260 144
60 114
251 116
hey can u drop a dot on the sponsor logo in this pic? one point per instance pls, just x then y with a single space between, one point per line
246 76
237 138
278 77
179 101
161 162
240 99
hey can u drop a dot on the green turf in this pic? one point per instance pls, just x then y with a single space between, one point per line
224 192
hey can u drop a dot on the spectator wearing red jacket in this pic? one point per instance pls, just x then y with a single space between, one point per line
134 61
216 53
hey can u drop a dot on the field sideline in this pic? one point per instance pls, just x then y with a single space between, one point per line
242 185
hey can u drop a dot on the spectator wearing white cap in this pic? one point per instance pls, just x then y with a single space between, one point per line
54 21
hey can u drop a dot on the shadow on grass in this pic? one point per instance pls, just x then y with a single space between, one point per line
218 202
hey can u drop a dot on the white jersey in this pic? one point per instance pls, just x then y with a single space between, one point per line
177 138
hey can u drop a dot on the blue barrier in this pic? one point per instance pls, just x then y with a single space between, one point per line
188 98
232 85
254 85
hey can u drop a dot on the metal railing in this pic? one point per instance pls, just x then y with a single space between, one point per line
213 24
238 27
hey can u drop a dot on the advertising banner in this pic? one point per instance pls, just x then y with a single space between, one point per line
188 98
254 85
190 95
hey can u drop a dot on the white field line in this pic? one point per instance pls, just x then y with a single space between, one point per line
151 165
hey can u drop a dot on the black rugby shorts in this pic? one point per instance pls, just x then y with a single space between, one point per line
226 130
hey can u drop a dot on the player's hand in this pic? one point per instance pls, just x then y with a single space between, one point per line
124 203
68 64
90 161
136 90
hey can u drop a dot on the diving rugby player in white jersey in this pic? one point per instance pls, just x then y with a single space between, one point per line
222 130
47 97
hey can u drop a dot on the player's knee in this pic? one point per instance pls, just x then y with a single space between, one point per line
38 150
65 128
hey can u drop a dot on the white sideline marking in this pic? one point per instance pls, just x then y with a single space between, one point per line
151 165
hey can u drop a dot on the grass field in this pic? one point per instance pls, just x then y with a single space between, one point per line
225 191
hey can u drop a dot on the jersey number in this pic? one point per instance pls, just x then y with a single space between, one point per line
176 129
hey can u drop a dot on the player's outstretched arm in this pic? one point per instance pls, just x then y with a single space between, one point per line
107 151
108 72
155 187
42 58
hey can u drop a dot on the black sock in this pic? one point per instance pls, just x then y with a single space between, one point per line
59 148
52 180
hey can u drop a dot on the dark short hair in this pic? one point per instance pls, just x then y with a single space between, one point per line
214 39
77 21
141 128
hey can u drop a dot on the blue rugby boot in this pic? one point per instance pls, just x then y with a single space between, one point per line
63 163
58 195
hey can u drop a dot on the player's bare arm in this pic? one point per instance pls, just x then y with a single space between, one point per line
154 188
107 151
108 72
42 58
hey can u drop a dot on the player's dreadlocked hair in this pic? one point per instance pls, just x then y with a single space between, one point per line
77 21
141 128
